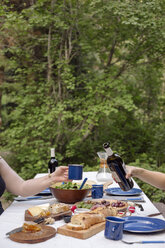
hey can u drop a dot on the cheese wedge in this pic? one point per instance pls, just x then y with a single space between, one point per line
45 206
34 211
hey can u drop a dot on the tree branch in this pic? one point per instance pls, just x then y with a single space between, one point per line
111 53
121 70
90 128
1 82
49 72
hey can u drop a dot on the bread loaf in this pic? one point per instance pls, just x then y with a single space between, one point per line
74 227
85 220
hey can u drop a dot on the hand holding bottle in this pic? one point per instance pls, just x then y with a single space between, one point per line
117 166
155 178
128 173
131 171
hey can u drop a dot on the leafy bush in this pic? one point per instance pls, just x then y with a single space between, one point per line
76 80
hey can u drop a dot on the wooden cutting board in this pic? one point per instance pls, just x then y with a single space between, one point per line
58 216
46 233
82 234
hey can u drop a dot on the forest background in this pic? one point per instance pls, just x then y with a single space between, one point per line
77 73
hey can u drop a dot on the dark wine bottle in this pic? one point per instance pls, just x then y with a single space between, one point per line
53 163
117 167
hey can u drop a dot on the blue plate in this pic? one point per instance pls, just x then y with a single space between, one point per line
45 192
118 191
139 224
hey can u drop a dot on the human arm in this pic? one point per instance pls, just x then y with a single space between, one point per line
154 178
16 185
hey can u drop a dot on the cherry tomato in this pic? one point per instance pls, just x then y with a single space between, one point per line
131 209
73 208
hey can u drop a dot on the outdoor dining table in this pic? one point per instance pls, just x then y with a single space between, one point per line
13 217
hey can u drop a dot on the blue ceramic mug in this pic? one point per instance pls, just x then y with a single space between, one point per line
75 171
97 191
114 228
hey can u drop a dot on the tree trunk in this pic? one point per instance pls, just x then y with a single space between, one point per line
1 82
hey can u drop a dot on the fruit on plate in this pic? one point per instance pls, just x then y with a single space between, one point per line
84 204
93 204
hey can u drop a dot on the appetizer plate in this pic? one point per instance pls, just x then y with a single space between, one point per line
118 191
81 210
46 233
45 192
138 224
58 216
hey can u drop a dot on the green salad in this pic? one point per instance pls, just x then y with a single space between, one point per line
71 185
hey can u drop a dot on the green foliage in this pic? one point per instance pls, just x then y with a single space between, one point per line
8 196
78 74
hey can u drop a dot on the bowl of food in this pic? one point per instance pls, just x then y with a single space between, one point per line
69 192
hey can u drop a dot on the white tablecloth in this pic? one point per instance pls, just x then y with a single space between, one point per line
14 217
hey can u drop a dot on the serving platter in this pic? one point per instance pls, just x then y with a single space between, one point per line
58 216
81 234
46 233
94 229
101 201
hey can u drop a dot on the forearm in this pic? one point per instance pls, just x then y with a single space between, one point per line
154 178
36 185
16 185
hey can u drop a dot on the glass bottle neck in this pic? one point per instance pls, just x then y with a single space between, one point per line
109 151
52 152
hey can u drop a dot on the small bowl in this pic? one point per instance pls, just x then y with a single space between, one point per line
67 218
69 196
81 210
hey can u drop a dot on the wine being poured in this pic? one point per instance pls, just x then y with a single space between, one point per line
117 166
